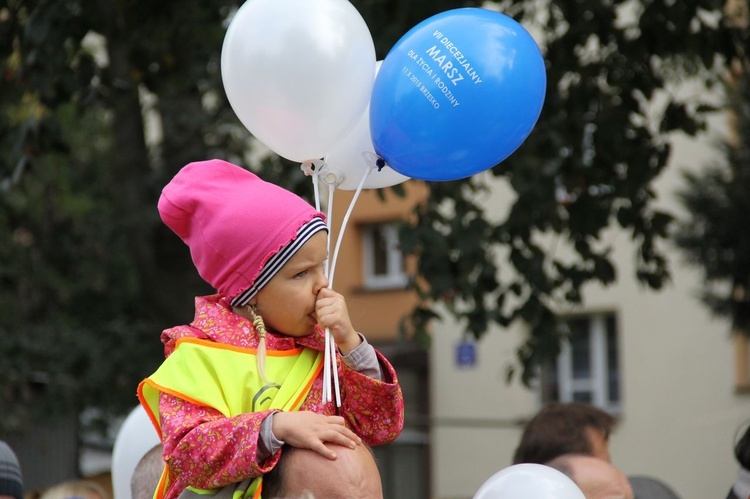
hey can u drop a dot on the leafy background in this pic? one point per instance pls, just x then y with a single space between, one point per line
102 101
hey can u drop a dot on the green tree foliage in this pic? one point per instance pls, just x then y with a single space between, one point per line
714 236
89 276
602 139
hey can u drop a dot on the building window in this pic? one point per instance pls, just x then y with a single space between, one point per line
383 261
587 369
404 464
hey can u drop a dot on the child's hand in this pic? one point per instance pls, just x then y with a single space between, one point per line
309 430
330 309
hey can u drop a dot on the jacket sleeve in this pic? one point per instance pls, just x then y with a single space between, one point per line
205 449
373 408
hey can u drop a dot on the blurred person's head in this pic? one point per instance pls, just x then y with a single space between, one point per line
75 489
301 473
134 439
741 485
596 478
742 449
565 428
11 482
647 487
147 474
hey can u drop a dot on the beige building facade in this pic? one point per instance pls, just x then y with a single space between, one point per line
681 377
674 376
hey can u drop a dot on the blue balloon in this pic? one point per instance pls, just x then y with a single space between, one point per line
456 95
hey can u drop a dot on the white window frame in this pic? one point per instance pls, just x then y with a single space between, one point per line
597 384
394 277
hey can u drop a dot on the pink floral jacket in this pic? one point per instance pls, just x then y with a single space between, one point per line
207 450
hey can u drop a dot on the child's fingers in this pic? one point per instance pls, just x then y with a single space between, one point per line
336 420
326 307
324 451
342 431
311 431
330 300
327 293
334 433
338 437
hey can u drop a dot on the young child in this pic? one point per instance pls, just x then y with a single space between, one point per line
245 377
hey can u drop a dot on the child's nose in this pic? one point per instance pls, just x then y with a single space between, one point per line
321 281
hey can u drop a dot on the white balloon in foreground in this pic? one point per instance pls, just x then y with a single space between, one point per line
298 73
136 437
529 481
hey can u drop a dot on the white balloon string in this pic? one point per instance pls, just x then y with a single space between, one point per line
345 222
309 169
327 368
334 367
317 191
329 216
331 347
330 352
330 368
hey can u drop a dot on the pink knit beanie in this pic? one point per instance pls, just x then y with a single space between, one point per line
240 229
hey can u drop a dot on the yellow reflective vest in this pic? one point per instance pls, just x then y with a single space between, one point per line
224 378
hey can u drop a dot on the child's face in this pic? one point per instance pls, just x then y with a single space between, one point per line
287 302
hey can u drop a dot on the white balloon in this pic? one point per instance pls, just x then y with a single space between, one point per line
135 438
298 73
351 155
529 481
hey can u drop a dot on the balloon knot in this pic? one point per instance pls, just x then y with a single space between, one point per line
311 167
380 163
